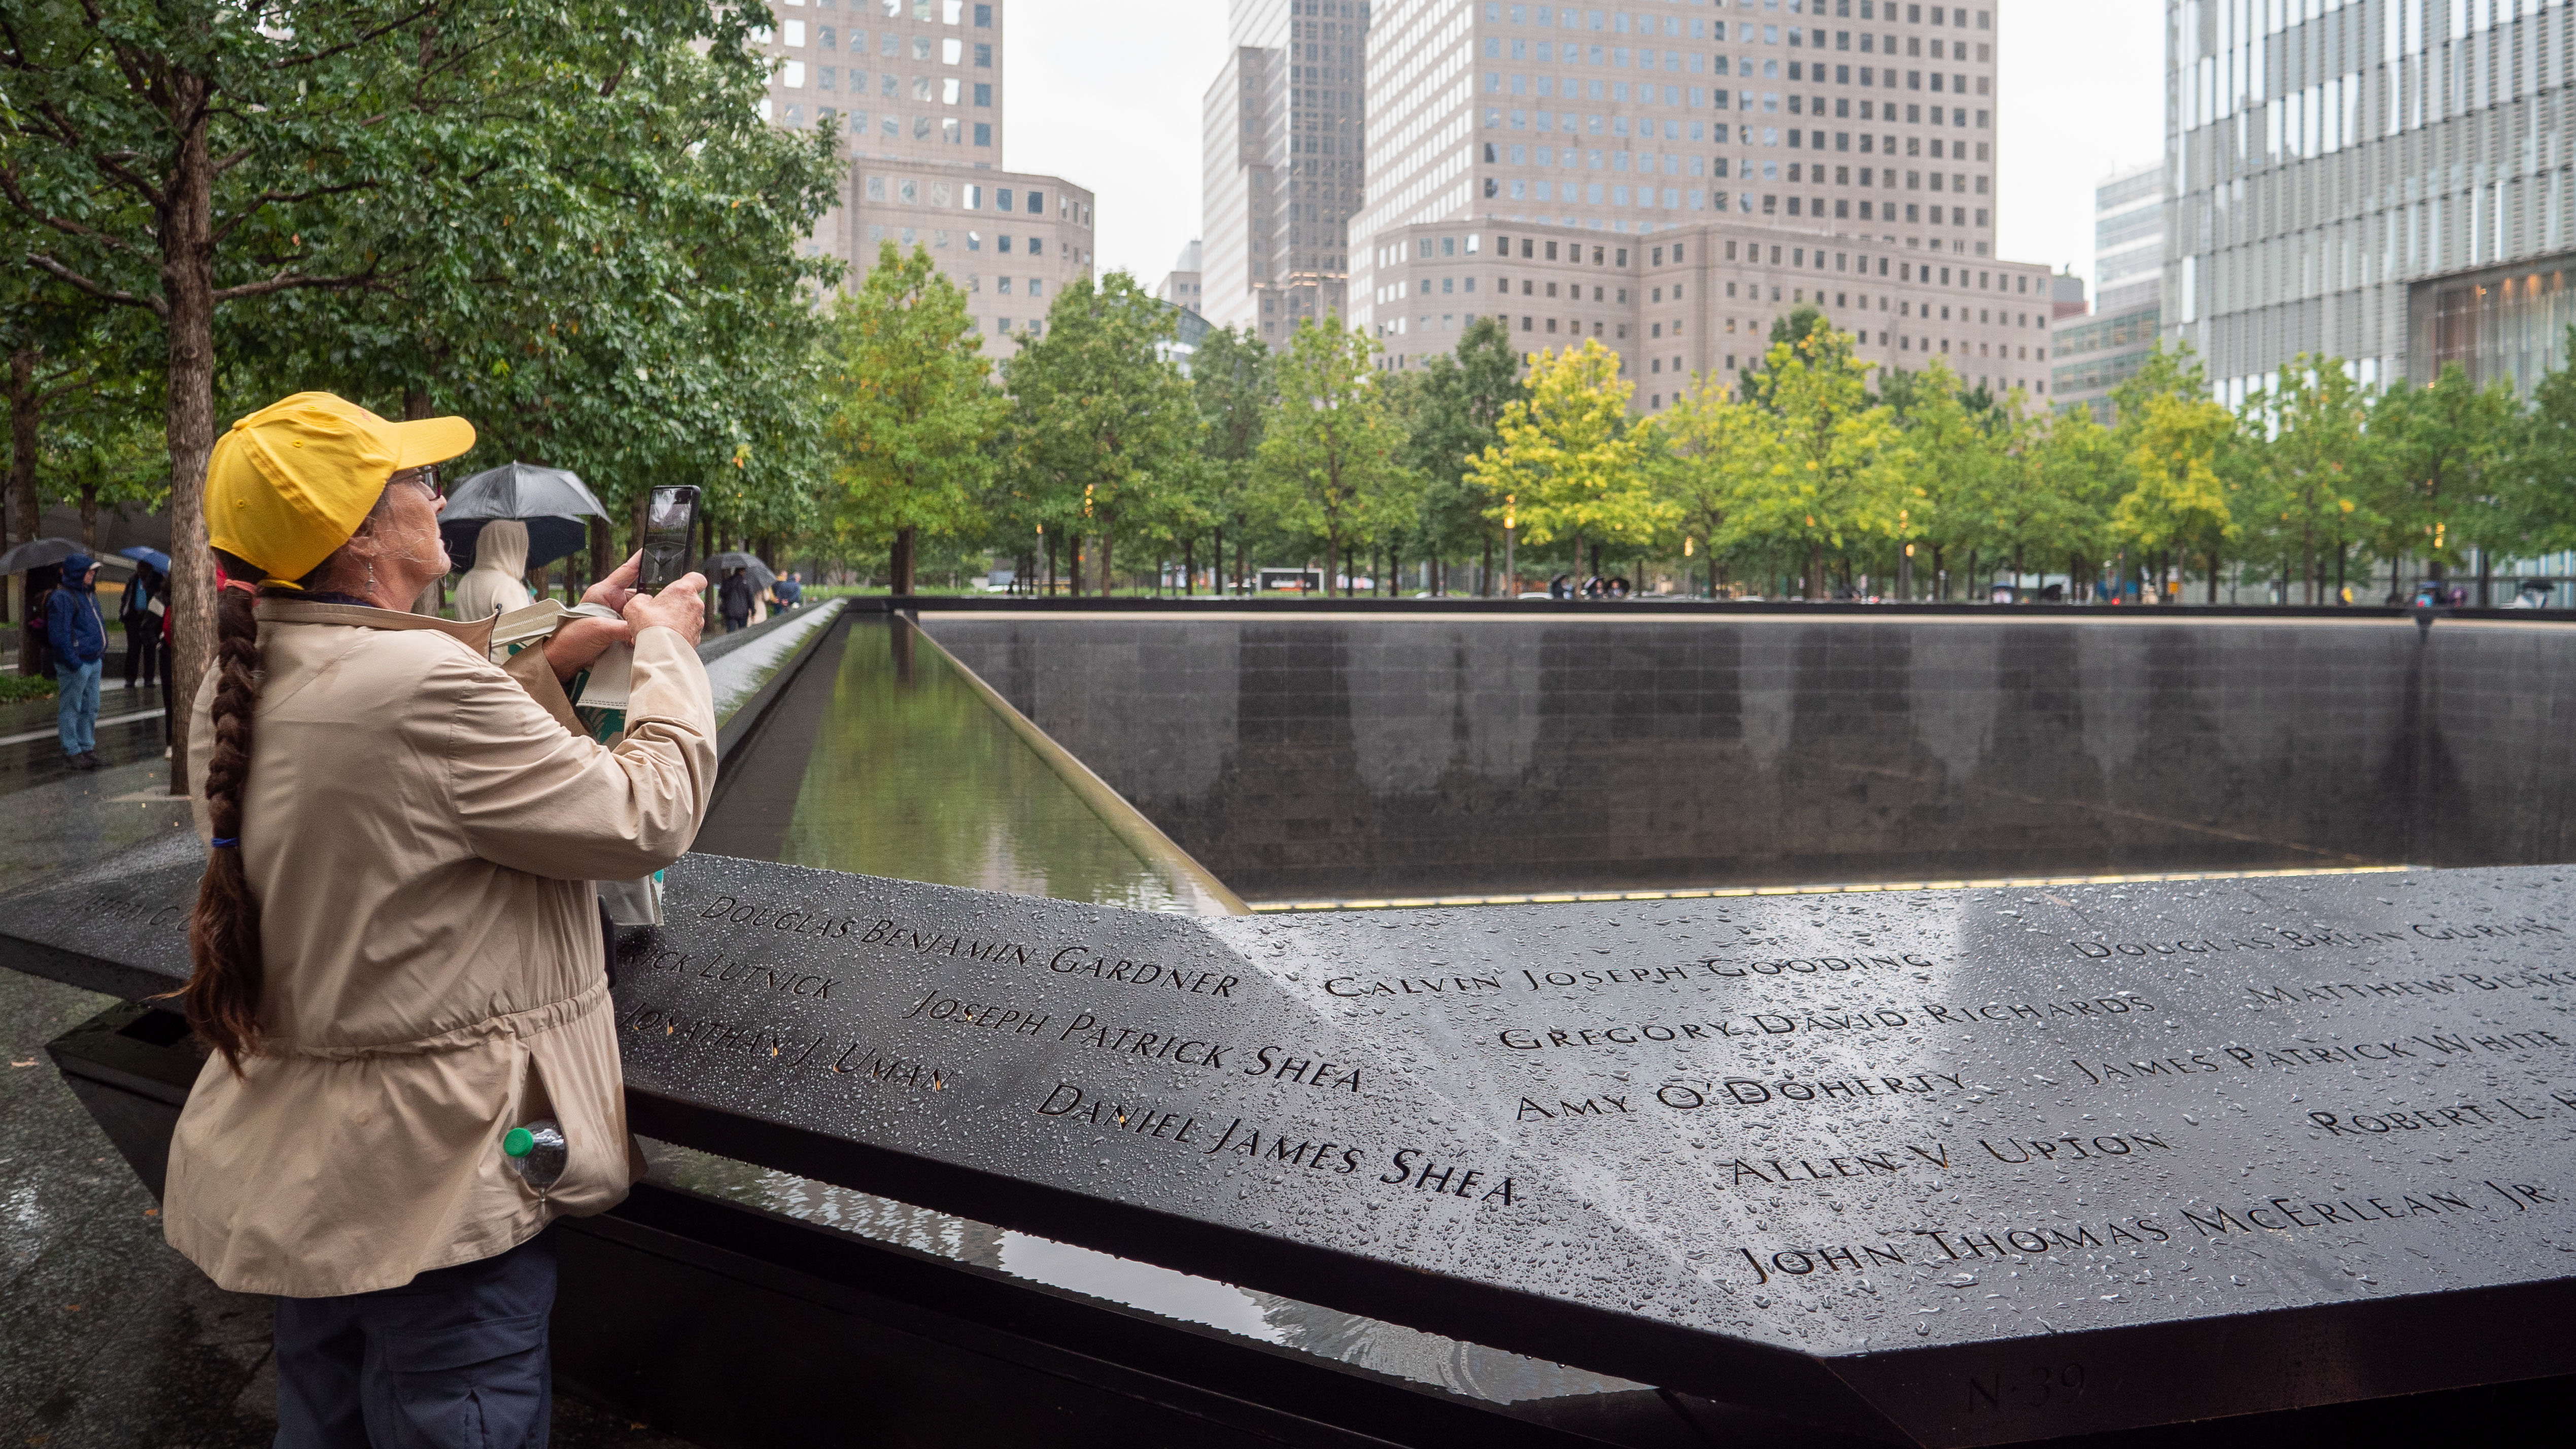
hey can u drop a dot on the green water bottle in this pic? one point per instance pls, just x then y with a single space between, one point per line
535 1152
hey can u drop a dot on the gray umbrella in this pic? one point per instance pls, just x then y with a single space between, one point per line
552 502
716 565
36 553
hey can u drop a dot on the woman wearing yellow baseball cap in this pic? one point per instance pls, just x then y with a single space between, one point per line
398 958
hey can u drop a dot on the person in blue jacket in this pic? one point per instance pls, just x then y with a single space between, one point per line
78 637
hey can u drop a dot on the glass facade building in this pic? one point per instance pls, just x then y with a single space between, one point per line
2384 181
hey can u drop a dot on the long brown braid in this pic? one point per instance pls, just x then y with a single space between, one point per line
227 974
223 989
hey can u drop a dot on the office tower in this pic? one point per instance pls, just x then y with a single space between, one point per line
2384 181
909 79
1692 171
1782 141
916 86
2129 240
1182 286
1284 153
2098 353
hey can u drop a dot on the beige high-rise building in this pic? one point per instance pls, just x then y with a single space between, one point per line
916 86
1672 176
1284 157
1182 286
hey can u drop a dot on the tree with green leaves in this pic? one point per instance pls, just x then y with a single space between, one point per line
2539 492
1790 330
1332 459
1842 475
909 406
2075 474
631 303
1453 409
2180 502
2314 465
1234 380
1706 454
2438 451
1962 467
187 157
1567 461
1101 422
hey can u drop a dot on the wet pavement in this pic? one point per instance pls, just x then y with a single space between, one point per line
110 1338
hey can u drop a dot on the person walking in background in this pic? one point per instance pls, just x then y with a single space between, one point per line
142 625
397 961
497 583
734 601
78 638
790 591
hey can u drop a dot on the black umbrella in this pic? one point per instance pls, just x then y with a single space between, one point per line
36 553
716 565
551 501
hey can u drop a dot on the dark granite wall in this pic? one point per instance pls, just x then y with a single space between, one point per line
1444 755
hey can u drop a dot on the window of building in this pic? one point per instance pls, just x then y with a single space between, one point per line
983 133
983 17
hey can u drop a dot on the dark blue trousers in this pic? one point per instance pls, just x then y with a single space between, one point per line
455 1359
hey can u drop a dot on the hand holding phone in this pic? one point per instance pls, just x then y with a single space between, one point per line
670 528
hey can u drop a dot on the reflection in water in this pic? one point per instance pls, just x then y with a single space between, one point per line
912 775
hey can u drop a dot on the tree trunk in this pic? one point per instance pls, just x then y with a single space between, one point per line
186 217
1331 548
1073 565
21 503
1815 571
1108 541
1241 570
899 566
1189 567
1485 575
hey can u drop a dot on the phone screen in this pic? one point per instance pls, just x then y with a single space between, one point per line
670 525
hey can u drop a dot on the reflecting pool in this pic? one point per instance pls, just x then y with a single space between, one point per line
884 758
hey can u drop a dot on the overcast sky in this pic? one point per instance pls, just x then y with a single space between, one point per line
1108 98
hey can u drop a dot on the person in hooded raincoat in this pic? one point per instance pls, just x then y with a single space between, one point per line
79 639
497 583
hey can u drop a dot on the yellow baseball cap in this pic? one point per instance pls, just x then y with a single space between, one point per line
292 482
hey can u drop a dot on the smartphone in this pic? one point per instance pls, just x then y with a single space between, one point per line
670 529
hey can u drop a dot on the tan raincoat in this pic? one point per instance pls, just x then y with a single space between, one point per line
497 583
420 832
